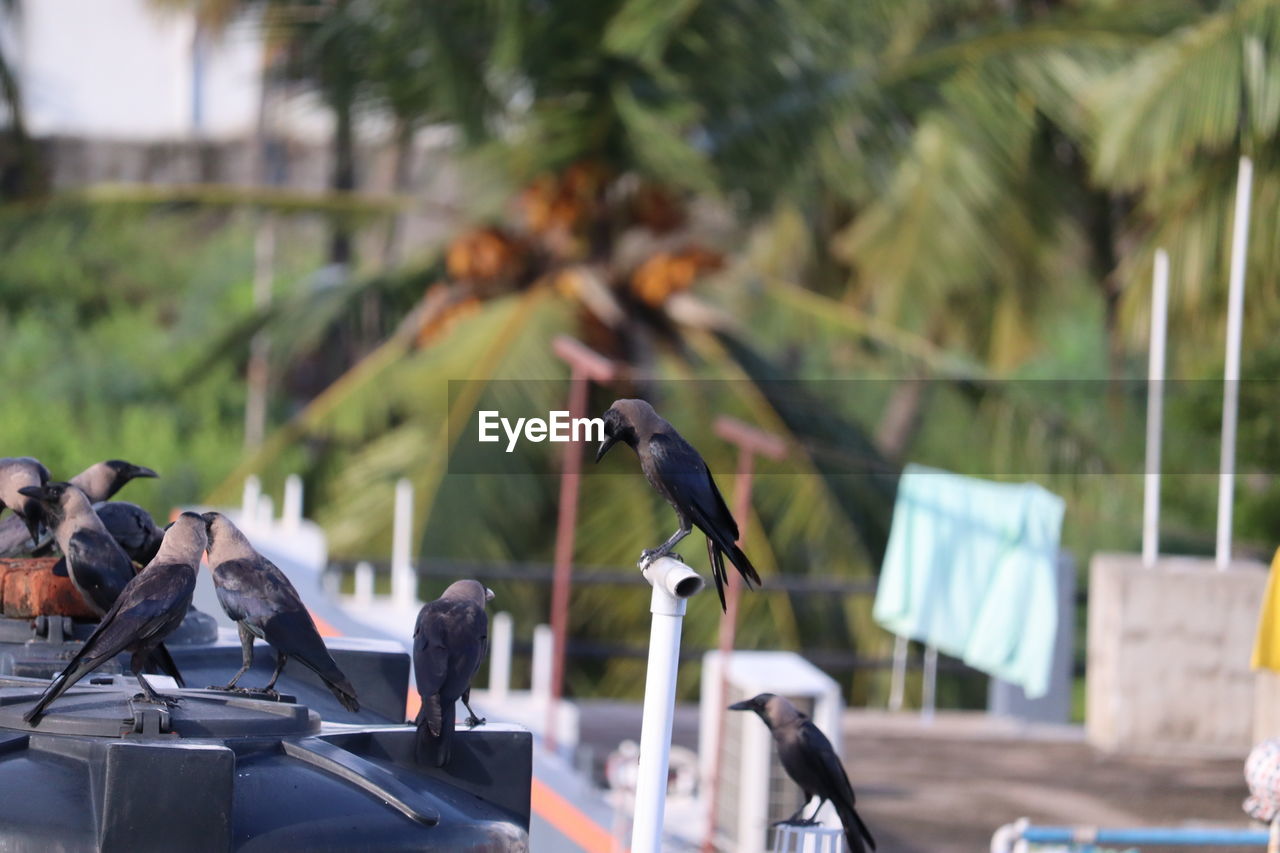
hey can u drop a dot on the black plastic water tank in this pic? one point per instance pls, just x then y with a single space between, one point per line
105 770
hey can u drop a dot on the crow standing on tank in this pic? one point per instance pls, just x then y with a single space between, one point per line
132 527
151 606
97 565
449 643
17 473
99 482
811 762
265 605
679 474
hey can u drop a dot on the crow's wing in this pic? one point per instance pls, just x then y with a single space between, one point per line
689 484
830 775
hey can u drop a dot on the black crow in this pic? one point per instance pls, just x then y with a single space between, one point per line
449 643
98 482
17 473
102 480
679 474
151 606
264 605
132 527
95 562
811 762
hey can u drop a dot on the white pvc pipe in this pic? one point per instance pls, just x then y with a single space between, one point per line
670 578
291 511
1155 409
1231 377
500 636
404 584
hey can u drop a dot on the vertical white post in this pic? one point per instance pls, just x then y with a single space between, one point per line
249 500
291 511
266 510
672 583
898 684
404 584
500 635
1155 409
928 701
1231 377
543 651
364 584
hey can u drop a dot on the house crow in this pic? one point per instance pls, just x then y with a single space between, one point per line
98 482
679 474
97 565
151 606
449 643
102 480
16 473
264 605
132 527
811 762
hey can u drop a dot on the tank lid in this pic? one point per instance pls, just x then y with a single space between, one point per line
112 706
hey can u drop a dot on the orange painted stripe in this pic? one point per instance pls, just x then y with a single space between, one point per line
569 820
325 629
412 704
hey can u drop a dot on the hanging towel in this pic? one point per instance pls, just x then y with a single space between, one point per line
971 568
1266 646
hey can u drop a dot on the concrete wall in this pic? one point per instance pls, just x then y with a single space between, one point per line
1169 654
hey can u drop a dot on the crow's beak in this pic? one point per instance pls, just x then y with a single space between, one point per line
40 493
167 526
608 442
142 471
744 705
488 594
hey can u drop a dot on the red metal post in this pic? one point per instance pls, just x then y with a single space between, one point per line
750 442
585 365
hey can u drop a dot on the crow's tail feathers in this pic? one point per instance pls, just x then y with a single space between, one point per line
854 829
162 660
435 723
345 692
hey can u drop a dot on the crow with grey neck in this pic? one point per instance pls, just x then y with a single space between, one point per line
97 565
99 482
132 527
448 645
17 473
151 606
679 474
265 605
811 762
102 480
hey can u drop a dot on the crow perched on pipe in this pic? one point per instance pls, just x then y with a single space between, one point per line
97 565
17 473
811 762
99 482
448 645
265 605
679 474
151 606
132 527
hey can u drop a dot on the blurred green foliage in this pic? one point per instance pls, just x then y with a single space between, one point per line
923 216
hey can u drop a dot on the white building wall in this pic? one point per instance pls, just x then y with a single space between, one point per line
122 69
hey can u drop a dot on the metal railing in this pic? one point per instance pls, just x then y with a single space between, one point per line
1018 837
